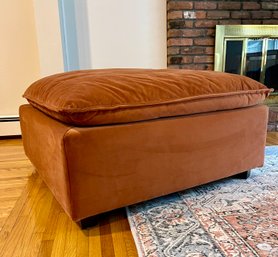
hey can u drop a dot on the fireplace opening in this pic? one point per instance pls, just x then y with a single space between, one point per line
250 50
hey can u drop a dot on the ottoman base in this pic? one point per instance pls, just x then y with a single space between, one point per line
91 170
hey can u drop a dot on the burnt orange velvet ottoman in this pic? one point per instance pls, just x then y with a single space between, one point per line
104 139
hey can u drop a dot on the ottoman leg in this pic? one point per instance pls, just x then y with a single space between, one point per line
88 222
243 175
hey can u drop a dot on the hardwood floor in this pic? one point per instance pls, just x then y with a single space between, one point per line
33 224
272 138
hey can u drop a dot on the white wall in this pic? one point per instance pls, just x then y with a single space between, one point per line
48 36
30 48
109 33
126 33
19 59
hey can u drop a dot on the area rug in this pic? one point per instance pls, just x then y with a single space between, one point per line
231 217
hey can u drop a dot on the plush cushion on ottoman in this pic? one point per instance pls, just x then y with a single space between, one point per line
94 97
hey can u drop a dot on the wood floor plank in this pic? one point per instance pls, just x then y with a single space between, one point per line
59 243
40 209
127 235
71 242
11 172
10 142
272 138
107 248
45 248
23 238
34 246
13 219
39 212
2 222
82 242
33 213
14 240
13 183
95 242
50 230
52 221
117 235
6 207
15 164
11 193
12 153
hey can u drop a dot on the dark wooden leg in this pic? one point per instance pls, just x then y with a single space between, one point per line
88 222
243 175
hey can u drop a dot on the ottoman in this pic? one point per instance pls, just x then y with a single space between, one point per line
104 139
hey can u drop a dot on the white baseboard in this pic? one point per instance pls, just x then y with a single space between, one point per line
10 128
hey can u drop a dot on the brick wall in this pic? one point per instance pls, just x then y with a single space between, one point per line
191 27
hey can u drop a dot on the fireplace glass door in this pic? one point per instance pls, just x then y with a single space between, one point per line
249 50
271 74
256 58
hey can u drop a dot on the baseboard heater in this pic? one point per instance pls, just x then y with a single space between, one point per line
9 125
9 119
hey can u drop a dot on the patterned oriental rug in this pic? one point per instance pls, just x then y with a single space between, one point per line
231 217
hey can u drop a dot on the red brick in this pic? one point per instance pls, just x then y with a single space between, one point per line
190 32
229 5
270 5
275 15
251 6
174 15
218 14
187 66
261 14
174 50
230 22
180 42
193 50
205 5
197 50
197 66
186 32
204 59
271 22
201 14
210 32
169 66
209 50
175 60
240 15
205 24
251 22
194 33
187 59
188 24
180 24
174 33
208 67
204 41
179 5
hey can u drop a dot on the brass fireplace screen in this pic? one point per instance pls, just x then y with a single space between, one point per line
250 50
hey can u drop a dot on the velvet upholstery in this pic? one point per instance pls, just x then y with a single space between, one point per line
110 96
91 170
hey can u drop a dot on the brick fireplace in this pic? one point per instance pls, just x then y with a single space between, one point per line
191 27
